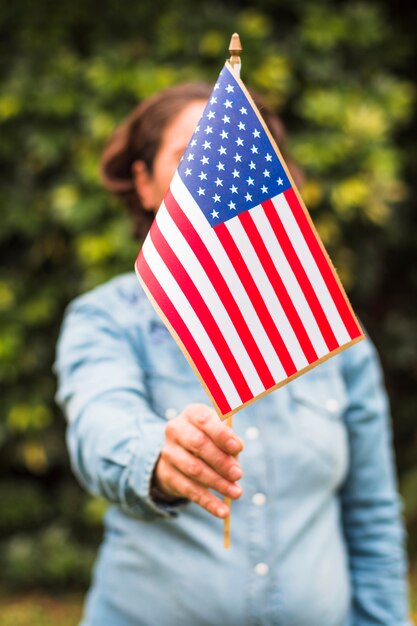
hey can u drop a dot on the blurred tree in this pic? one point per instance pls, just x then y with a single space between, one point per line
341 75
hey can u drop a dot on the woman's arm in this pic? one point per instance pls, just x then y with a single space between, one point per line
371 507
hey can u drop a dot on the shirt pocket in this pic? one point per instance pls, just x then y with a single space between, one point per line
319 400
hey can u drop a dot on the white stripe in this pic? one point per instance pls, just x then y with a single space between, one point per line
180 302
267 292
311 269
289 279
217 252
195 271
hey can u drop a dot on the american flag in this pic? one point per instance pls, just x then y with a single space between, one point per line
233 264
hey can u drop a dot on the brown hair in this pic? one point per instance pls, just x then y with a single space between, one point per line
139 137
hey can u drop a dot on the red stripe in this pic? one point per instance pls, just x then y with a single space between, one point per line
203 312
300 274
280 289
183 332
220 285
323 264
258 303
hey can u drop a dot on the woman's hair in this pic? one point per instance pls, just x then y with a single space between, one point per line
139 137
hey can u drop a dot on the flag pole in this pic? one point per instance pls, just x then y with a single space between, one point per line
235 49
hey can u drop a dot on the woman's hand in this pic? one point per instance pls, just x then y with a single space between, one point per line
199 454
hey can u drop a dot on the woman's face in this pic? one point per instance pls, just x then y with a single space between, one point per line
151 188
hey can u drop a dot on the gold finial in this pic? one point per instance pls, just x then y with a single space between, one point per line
235 49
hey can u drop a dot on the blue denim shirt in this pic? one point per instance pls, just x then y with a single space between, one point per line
317 538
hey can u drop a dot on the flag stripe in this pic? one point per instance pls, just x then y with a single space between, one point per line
300 273
323 264
220 285
191 321
182 331
196 275
263 281
231 275
281 292
202 311
257 301
313 272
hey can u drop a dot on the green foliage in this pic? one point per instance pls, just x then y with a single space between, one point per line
340 74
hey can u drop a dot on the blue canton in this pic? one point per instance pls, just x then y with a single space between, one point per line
230 165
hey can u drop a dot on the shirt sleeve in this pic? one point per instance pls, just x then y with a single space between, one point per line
371 509
114 437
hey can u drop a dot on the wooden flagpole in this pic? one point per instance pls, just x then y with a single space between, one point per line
235 49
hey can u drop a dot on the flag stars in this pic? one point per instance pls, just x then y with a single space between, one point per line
226 119
264 189
222 150
250 181
254 150
256 133
233 189
236 173
205 160
280 181
252 165
243 111
237 157
268 157
214 214
193 142
190 157
266 173
241 126
230 88
188 171
216 197
218 182
208 130
220 166
232 206
248 197
202 176
201 191
211 115
213 100
224 135
239 141
207 145
228 104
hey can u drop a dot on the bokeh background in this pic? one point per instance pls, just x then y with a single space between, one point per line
343 77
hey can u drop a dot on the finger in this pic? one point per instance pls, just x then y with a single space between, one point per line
206 419
186 488
200 445
197 470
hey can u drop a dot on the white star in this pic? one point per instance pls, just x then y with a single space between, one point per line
236 173
218 182
228 104
222 150
268 157
205 160
248 197
214 214
230 88
220 166
188 171
201 191
256 133
233 189
210 115
266 173
194 141
250 181
243 111
239 141
190 157
197 128
208 130
213 100
280 181
241 126
202 176
264 189
237 157
224 135
216 86
206 145
254 150
252 165
226 119
231 205
216 197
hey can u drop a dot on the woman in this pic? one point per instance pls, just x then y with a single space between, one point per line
317 538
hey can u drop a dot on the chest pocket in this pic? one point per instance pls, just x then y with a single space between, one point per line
318 402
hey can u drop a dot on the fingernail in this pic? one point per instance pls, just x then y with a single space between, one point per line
233 445
235 472
235 491
222 511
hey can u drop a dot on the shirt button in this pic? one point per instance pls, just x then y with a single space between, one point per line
252 433
332 405
258 499
171 413
261 569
